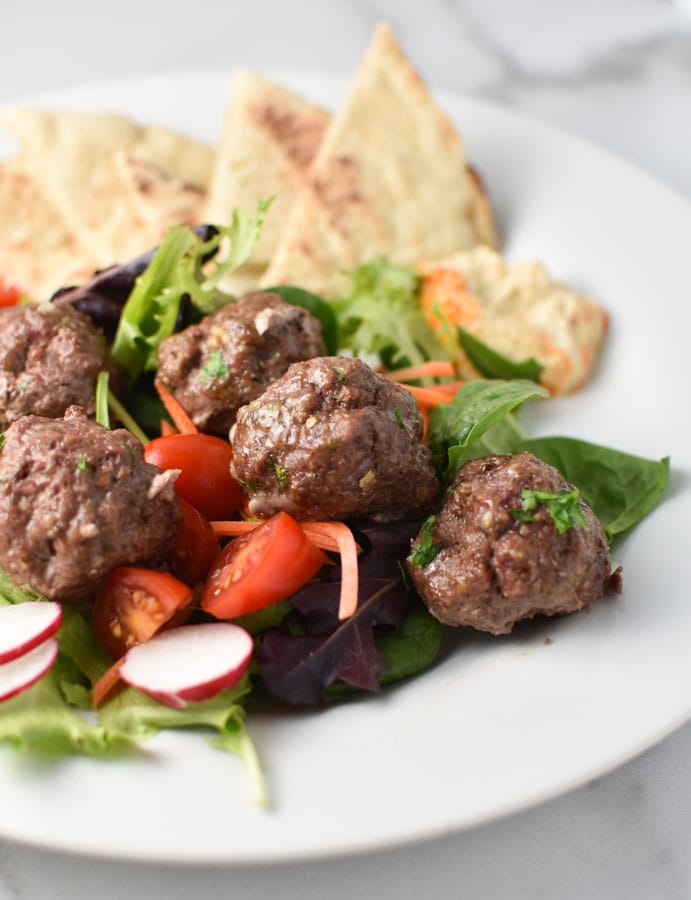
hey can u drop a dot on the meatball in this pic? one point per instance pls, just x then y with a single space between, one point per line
496 563
331 439
77 500
50 356
226 360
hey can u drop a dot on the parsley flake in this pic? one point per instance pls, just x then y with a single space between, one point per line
563 506
426 550
214 367
280 473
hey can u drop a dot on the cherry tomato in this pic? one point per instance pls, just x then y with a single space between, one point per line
9 294
196 546
133 604
260 568
205 480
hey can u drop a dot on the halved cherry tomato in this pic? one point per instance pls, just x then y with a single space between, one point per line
9 294
133 604
205 480
260 568
196 546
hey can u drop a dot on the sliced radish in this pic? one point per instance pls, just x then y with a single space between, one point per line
22 672
193 662
24 626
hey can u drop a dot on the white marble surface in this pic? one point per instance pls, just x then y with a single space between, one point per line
615 71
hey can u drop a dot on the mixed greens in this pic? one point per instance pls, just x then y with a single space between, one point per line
304 653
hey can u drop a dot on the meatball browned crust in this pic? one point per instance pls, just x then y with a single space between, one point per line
76 500
332 439
228 358
492 569
50 356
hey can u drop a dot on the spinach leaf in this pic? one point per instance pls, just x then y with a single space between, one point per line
413 648
619 487
491 364
455 426
319 308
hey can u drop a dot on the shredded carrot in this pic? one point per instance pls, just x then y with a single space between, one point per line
435 368
105 684
233 528
424 412
335 537
313 530
348 550
428 397
167 428
181 420
450 388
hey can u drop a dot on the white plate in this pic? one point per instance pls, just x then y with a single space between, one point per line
501 724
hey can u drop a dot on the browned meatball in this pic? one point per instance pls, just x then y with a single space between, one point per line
331 439
492 569
225 361
77 500
50 356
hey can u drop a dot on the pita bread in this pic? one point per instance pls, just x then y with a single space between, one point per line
390 178
37 252
160 198
269 140
71 157
519 311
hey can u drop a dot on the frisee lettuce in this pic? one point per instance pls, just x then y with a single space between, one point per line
381 315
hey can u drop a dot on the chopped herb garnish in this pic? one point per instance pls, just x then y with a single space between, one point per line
564 507
2 439
338 372
280 473
83 462
426 549
399 420
214 367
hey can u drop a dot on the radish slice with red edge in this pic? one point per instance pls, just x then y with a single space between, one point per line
193 662
21 673
24 626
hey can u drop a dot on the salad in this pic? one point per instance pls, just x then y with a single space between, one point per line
312 608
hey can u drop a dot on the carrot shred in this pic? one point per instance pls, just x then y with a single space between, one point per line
107 682
314 531
435 368
335 537
232 528
167 429
428 397
181 420
348 551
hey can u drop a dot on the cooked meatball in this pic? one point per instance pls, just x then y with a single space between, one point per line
226 360
331 439
50 356
492 569
76 500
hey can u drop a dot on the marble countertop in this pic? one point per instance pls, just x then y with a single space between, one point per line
617 72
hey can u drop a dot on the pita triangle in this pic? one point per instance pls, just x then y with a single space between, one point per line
390 178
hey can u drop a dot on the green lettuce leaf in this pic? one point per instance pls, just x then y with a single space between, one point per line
183 265
381 315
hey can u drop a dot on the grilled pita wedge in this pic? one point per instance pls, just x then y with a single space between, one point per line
269 140
390 178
